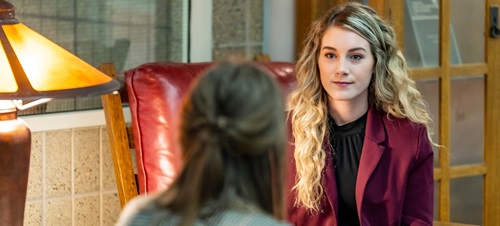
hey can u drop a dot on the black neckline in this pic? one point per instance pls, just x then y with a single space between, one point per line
351 128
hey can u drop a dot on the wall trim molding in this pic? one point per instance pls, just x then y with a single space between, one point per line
69 120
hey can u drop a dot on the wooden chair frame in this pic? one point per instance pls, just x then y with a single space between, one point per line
120 140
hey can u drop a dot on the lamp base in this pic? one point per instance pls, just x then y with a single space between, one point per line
15 149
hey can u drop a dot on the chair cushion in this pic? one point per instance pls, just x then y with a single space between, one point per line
155 93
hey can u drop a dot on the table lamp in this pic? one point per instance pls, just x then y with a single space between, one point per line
33 70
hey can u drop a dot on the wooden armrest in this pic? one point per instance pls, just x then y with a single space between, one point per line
119 140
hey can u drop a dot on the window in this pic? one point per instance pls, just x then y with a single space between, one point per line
124 32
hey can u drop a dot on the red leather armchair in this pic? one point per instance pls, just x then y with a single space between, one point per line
154 92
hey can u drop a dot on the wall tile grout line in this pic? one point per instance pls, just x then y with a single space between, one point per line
247 29
73 177
238 44
44 179
101 205
75 196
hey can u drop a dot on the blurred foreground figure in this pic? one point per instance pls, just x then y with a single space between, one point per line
233 139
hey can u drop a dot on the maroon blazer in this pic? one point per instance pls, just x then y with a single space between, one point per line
394 185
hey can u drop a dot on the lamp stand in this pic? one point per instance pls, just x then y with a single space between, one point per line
15 148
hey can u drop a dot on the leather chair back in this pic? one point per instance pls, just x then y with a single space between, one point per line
155 92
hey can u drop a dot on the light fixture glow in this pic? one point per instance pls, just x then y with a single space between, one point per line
41 57
34 69
7 82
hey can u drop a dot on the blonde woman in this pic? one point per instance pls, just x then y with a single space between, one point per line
362 153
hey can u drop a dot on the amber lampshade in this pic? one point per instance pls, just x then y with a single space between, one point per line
32 68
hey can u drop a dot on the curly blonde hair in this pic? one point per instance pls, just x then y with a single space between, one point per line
391 90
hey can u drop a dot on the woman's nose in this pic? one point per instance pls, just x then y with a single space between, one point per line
341 67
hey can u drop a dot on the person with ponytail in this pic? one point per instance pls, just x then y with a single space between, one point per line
361 153
233 138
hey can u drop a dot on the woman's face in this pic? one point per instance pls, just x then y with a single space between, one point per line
345 65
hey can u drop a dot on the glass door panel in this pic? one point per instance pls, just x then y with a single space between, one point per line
421 33
467 31
467 200
467 120
461 87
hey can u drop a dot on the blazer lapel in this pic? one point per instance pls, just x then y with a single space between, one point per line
371 154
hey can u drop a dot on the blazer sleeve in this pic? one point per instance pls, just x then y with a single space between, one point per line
418 208
292 209
290 194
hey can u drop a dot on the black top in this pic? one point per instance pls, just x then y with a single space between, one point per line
347 142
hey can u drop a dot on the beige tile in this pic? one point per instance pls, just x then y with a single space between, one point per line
86 157
87 211
236 53
110 209
229 53
256 21
33 214
58 163
108 173
35 171
59 212
229 21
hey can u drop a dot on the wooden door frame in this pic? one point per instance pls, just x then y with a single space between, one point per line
393 11
306 11
492 129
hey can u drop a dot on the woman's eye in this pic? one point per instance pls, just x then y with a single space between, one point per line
357 57
329 55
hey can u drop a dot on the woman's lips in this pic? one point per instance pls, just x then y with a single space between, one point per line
342 84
